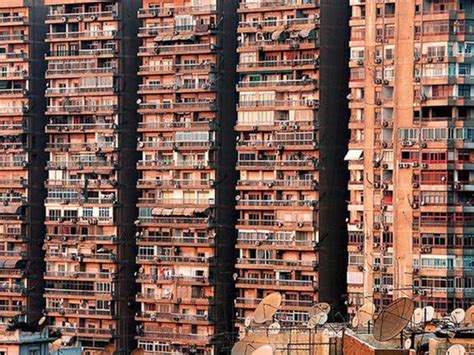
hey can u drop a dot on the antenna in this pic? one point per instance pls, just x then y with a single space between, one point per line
393 319
457 316
456 349
267 308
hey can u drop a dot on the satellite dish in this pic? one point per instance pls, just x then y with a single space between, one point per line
457 316
469 318
417 316
267 308
456 349
355 322
366 313
274 328
407 344
312 323
321 307
393 319
247 321
428 313
264 350
249 344
320 318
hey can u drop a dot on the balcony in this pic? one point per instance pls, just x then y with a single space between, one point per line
101 34
12 19
13 110
176 164
159 69
205 144
174 317
312 83
97 52
174 259
277 184
272 64
12 289
87 332
284 240
182 221
14 37
279 104
173 278
254 302
272 164
158 333
76 219
252 282
277 224
76 238
175 183
178 10
277 203
81 109
92 16
177 201
77 70
79 127
175 240
177 49
263 4
152 107
55 292
79 165
79 312
278 23
269 263
79 91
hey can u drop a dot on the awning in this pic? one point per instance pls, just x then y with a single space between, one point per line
276 35
8 264
10 209
354 154
167 212
157 211
306 33
162 38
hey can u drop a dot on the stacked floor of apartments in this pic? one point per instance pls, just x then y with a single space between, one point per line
91 181
21 162
286 115
185 227
411 153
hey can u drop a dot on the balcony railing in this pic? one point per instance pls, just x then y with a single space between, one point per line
173 316
176 183
277 203
175 220
272 83
75 15
278 22
276 262
82 52
176 201
254 4
82 108
278 183
178 48
178 10
85 34
275 282
79 311
12 18
79 90
79 126
174 258
13 37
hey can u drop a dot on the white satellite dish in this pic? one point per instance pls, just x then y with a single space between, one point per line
267 308
407 344
428 313
274 328
247 321
355 322
456 349
320 318
417 316
457 316
312 323
264 350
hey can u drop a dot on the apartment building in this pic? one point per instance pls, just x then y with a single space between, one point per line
290 143
185 230
21 161
411 153
90 204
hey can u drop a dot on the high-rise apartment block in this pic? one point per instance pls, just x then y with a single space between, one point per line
21 161
91 185
411 153
287 112
186 174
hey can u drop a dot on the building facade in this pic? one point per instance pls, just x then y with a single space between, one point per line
410 153
287 155
22 160
90 204
186 180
